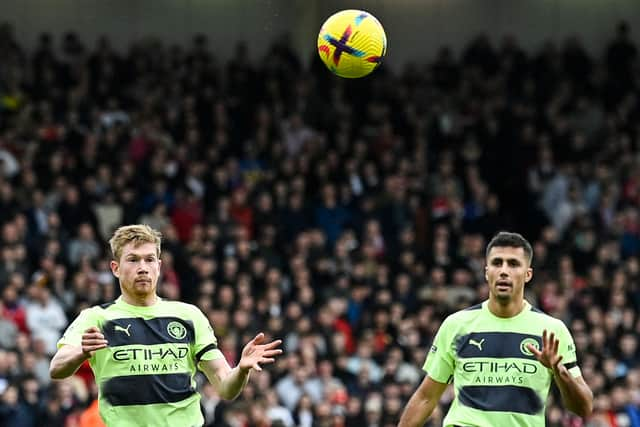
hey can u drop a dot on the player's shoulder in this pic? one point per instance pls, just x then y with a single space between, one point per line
179 305
98 308
105 306
94 313
182 308
545 320
465 315
538 314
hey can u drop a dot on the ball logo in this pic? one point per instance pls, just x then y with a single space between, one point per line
177 330
352 43
523 346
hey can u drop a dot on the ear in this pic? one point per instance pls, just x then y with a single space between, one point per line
115 268
529 275
486 273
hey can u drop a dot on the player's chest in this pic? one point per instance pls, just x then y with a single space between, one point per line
498 358
147 346
153 331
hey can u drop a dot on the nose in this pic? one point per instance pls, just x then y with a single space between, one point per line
143 268
503 270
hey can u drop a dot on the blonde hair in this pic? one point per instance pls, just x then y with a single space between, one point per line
137 234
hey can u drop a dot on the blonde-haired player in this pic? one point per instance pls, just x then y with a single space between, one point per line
144 350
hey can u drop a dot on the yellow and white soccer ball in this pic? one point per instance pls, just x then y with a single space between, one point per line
352 43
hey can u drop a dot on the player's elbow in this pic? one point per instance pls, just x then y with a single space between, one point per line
57 369
584 408
56 376
588 408
56 373
584 411
229 396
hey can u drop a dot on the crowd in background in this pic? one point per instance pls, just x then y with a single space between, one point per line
347 217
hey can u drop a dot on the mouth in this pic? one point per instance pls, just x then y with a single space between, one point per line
142 281
503 286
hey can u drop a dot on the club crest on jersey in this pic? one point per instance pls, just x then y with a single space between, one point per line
523 346
177 330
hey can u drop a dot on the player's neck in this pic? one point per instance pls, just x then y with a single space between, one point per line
142 301
506 310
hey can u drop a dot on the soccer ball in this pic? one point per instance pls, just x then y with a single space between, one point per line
352 43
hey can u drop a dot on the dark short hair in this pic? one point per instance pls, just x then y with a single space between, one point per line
510 240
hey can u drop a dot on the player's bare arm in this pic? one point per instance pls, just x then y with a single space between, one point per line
230 382
576 394
422 403
68 358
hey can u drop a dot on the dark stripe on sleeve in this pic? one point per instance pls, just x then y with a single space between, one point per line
570 365
506 398
536 310
107 305
496 345
157 330
146 389
449 380
204 350
474 307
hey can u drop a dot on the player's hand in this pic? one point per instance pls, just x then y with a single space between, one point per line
548 354
92 341
256 353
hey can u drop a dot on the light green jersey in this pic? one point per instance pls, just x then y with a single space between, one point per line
145 375
497 380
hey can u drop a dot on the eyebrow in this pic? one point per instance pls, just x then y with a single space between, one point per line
141 256
502 259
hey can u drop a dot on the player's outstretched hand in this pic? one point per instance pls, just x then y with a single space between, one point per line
92 341
256 353
548 355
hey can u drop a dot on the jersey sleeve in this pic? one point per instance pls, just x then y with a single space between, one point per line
73 334
206 343
440 363
567 349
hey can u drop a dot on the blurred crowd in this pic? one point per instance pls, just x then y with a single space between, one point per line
347 217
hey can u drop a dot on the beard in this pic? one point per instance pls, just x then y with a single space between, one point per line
502 296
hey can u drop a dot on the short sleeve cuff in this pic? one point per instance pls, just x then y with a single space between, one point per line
209 352
575 372
439 375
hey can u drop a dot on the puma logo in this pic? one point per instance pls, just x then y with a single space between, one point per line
476 343
125 330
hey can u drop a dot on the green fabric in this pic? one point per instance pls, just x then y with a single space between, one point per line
497 381
145 375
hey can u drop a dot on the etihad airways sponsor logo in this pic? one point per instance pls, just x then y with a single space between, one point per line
500 367
499 379
488 373
155 354
155 367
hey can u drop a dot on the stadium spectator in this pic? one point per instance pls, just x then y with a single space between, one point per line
420 167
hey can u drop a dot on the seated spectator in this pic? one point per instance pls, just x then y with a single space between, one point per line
45 318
